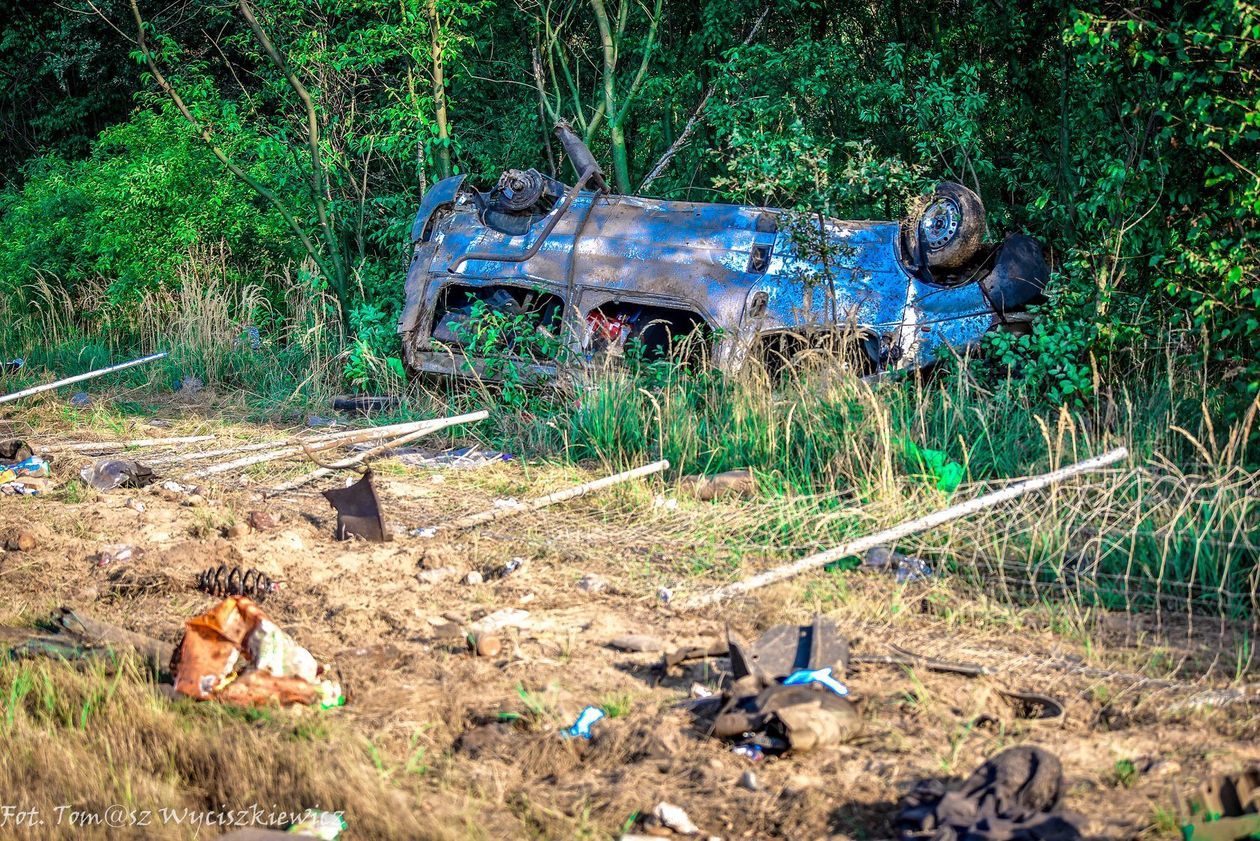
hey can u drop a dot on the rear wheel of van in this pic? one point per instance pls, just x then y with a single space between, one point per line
949 226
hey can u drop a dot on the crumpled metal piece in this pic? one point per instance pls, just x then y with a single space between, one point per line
358 511
105 474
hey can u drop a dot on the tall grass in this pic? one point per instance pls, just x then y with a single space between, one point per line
1176 529
275 346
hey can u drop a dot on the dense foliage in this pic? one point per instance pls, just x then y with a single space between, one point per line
1127 137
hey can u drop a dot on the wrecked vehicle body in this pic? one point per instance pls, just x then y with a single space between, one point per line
595 273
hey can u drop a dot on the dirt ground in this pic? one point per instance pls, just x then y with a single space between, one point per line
425 713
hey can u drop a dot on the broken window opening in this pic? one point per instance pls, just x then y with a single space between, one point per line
503 319
648 333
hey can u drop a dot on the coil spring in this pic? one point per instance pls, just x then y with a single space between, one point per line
223 581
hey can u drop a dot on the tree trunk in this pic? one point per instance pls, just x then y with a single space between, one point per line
439 93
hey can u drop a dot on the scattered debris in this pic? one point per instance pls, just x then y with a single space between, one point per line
325 826
672 817
235 654
753 753
135 505
80 399
474 578
890 535
581 728
223 581
358 511
21 471
664 594
946 474
174 487
592 583
912 569
108 473
699 691
1226 808
21 539
748 781
263 520
27 392
783 695
906 568
461 458
1014 795
507 508
638 643
433 576
117 553
508 617
731 484
486 645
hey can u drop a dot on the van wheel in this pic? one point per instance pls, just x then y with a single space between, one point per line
949 226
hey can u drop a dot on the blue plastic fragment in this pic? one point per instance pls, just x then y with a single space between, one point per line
913 569
585 720
821 676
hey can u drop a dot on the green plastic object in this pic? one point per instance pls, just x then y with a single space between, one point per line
948 474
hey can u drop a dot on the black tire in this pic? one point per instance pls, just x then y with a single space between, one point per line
949 226
1019 275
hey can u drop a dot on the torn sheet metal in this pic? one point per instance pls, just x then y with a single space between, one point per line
358 511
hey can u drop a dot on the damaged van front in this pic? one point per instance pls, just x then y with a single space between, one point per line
584 274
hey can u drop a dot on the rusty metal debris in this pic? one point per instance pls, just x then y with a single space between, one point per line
592 272
222 581
358 511
786 692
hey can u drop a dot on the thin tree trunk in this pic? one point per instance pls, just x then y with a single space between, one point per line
621 165
439 93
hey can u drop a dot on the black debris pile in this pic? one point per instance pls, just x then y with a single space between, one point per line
1013 796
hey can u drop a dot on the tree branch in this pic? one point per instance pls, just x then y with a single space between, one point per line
312 121
694 120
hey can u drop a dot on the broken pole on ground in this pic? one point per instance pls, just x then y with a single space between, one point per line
93 446
339 439
36 389
328 469
890 535
500 513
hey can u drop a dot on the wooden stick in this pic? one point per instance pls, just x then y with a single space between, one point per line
890 535
328 470
89 446
205 454
328 442
36 389
550 499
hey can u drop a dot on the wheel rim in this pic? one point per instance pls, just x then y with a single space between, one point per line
940 222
